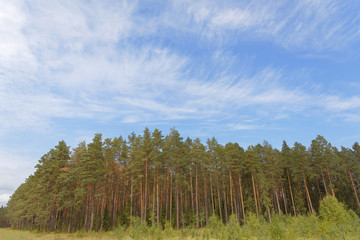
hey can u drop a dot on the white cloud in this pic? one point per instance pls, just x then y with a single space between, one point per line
75 60
313 25
337 104
14 168
241 126
4 198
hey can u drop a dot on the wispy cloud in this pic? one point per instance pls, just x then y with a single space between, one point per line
12 166
241 126
74 60
310 25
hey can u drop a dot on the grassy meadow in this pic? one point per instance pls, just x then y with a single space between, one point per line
10 234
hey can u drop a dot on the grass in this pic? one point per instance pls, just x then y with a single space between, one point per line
10 234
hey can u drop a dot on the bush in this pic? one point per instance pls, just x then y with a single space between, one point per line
216 227
139 229
168 230
155 232
302 227
336 221
233 229
277 227
252 224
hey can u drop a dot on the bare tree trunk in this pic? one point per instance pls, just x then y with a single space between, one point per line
277 201
212 196
197 196
291 194
308 196
157 201
131 196
253 183
283 195
225 201
354 187
177 202
241 197
102 211
206 198
153 201
219 198
145 190
171 200
192 190
332 189
323 178
231 193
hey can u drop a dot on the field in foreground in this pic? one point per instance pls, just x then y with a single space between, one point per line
10 234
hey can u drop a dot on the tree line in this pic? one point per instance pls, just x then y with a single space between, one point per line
179 183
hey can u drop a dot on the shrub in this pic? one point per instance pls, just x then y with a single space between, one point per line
233 228
277 227
139 229
252 226
216 227
168 230
336 221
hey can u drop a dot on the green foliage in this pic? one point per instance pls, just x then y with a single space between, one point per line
216 226
277 227
233 229
168 230
4 221
119 232
252 225
336 221
138 229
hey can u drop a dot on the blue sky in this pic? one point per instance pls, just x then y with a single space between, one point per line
242 71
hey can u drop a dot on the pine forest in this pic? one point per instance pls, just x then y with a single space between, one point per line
170 181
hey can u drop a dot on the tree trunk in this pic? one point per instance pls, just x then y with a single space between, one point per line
332 189
205 198
197 196
283 194
192 190
291 194
177 201
145 190
170 200
308 196
102 211
253 183
219 198
225 201
241 197
153 201
323 178
277 202
212 196
231 193
354 187
157 201
167 200
92 215
141 201
131 196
